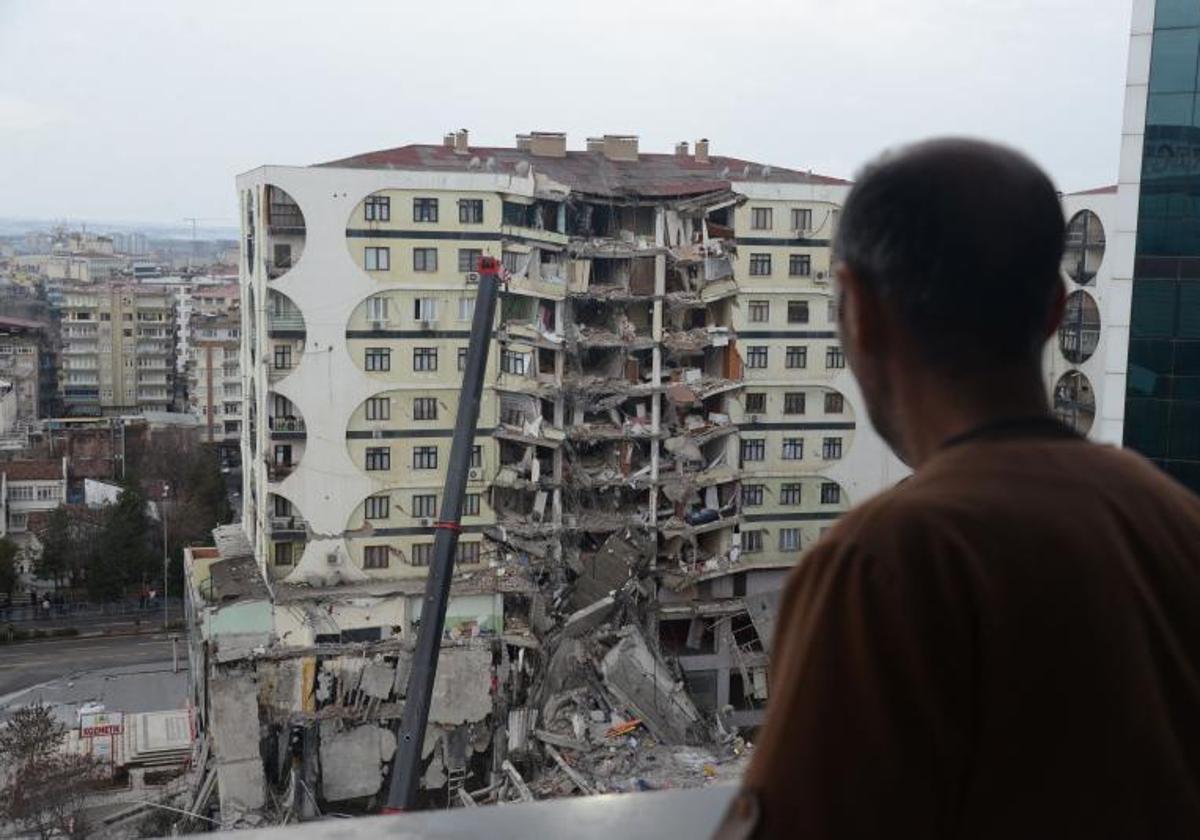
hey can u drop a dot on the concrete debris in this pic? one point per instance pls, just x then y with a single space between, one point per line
462 688
647 687
352 762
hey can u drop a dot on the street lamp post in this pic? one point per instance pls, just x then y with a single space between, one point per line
166 556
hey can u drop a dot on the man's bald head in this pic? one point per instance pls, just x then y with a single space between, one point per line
960 241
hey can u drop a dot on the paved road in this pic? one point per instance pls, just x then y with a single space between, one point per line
30 663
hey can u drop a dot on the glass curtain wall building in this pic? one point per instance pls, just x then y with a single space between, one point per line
1162 399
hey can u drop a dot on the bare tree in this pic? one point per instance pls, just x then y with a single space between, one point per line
44 788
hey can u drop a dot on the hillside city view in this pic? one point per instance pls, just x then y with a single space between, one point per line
357 462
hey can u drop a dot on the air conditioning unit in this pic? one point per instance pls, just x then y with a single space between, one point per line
820 277
472 278
425 522
475 474
332 558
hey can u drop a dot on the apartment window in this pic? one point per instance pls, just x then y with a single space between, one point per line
282 506
375 557
752 542
797 312
476 457
379 458
424 505
425 309
756 403
425 457
793 402
283 454
799 265
796 356
468 553
832 313
425 209
789 539
831 493
760 218
424 358
283 554
470 211
752 495
471 504
425 408
834 358
511 261
377 208
801 219
760 311
468 259
462 359
754 449
760 265
466 308
789 494
422 554
513 362
793 449
283 356
377 259
834 404
379 408
424 259
831 448
377 308
756 357
376 507
378 358
20 494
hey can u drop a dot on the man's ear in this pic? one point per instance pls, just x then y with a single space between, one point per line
860 318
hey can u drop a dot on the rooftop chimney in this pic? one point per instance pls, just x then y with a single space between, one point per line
621 147
448 140
460 142
702 150
548 144
595 144
524 141
681 149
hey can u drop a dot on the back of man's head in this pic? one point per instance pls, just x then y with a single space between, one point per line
961 241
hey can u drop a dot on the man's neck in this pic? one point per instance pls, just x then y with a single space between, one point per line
942 411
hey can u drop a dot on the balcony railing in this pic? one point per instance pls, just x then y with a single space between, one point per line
286 424
285 321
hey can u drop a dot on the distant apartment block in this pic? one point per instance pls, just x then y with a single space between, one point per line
118 349
215 377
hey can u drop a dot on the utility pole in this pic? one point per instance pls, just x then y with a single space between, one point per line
406 766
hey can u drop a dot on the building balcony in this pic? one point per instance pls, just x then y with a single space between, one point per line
286 427
288 527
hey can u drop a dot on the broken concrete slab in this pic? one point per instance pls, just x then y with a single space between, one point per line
462 689
763 608
234 726
646 687
378 679
353 761
584 621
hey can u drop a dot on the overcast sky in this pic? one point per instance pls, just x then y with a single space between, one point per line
145 111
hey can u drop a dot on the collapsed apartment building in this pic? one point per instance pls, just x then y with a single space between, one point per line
640 481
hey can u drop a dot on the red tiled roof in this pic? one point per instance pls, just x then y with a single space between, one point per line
592 172
31 470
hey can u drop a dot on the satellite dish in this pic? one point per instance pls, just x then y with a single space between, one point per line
746 171
725 172
490 165
522 168
474 163
766 171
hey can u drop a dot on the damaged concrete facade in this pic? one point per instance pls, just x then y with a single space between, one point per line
666 424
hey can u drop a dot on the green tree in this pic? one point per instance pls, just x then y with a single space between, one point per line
8 567
123 558
59 551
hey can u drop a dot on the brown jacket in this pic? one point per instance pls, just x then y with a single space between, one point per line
1005 645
